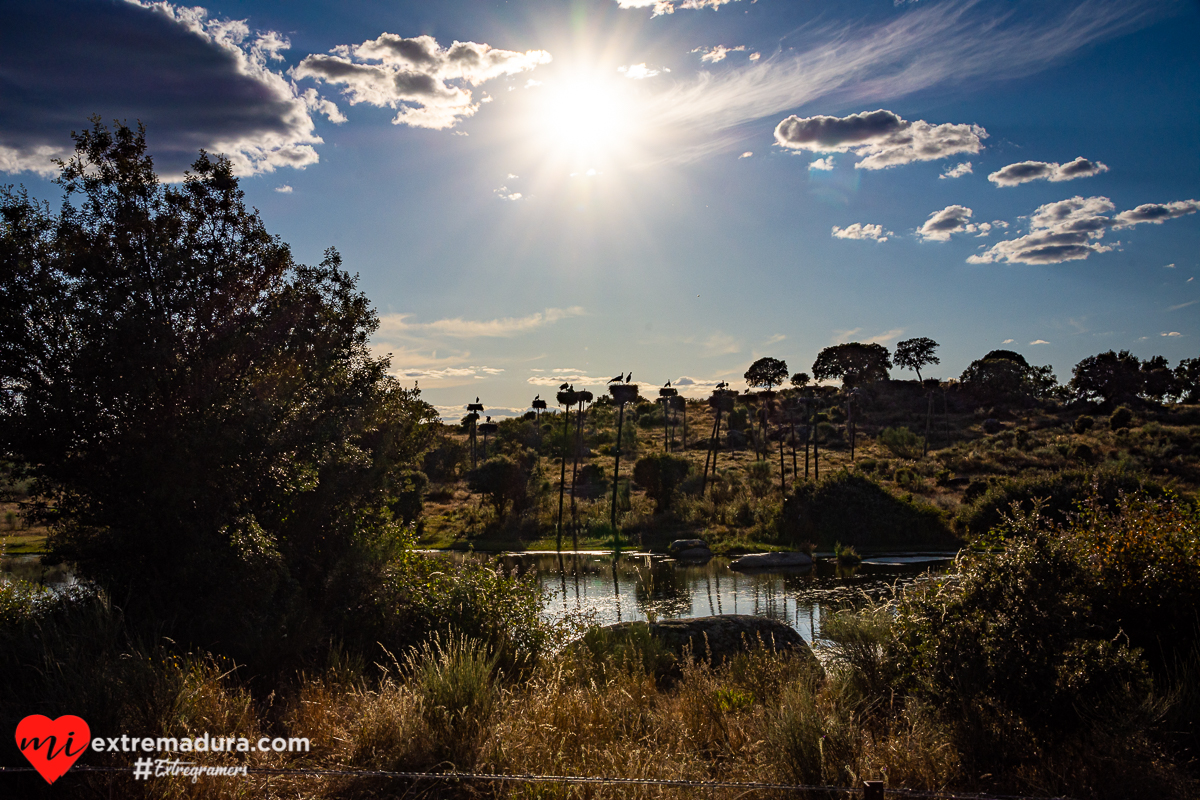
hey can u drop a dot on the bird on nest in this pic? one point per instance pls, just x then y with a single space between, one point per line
620 377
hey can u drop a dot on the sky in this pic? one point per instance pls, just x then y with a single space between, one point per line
555 191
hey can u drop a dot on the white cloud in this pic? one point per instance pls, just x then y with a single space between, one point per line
746 154
755 56
1170 333
195 83
1008 341
822 164
941 225
574 377
1026 171
718 53
1156 213
1183 305
285 189
1068 230
862 231
661 7
428 85
1169 266
1071 230
504 194
637 71
1039 341
882 138
957 171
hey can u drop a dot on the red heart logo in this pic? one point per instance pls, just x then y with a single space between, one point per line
53 745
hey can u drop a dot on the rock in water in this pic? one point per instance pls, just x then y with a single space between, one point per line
772 561
690 550
718 637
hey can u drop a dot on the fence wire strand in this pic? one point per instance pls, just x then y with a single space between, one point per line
678 783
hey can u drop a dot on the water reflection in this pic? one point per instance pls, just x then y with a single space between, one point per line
640 586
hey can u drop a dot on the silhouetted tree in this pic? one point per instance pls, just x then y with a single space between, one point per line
206 414
1110 376
916 353
854 363
1187 380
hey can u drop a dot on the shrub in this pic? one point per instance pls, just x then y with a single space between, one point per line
1062 491
661 475
1121 419
760 477
902 442
851 508
442 463
1083 424
502 481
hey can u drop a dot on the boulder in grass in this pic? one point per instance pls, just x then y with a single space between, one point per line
772 561
716 638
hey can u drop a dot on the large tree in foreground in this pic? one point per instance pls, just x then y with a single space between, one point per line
202 417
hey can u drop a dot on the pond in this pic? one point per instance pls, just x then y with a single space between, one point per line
638 586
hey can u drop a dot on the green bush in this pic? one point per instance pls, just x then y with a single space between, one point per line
503 481
855 510
1017 641
661 475
902 442
760 478
1083 424
1062 491
1121 419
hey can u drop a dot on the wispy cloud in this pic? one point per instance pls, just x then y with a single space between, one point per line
1039 341
720 344
923 47
883 338
1183 305
393 324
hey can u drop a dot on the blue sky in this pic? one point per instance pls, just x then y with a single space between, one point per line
540 191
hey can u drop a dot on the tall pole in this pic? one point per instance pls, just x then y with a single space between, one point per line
616 477
816 451
928 420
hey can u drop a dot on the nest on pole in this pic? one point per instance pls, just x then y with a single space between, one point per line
723 399
624 393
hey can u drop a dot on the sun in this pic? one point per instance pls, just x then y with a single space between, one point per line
585 120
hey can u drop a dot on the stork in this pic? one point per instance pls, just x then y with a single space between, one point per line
617 379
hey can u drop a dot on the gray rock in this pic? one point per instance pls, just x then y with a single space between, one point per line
679 545
719 637
772 561
694 554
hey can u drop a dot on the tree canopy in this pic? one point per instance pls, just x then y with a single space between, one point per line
766 373
916 353
203 420
854 362
1110 376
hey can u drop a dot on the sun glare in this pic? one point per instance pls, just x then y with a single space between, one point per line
586 121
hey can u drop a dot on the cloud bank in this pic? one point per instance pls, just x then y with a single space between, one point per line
195 83
428 84
881 137
1026 171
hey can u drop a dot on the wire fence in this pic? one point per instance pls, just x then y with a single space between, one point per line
867 791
